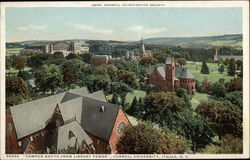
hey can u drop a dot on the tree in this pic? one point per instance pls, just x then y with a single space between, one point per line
86 57
25 75
120 89
73 56
221 68
239 64
109 69
182 93
48 78
128 77
181 61
221 118
17 90
206 86
204 68
145 139
114 99
235 84
133 105
96 82
19 62
58 55
194 128
231 69
230 145
147 61
71 70
8 62
37 60
218 89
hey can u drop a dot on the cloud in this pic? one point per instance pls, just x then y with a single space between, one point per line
144 30
92 29
32 27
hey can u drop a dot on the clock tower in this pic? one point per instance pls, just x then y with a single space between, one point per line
170 73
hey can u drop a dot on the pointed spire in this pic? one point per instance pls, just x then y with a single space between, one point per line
142 46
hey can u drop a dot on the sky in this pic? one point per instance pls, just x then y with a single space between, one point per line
124 24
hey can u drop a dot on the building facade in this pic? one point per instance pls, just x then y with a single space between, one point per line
75 119
97 60
218 57
60 46
170 77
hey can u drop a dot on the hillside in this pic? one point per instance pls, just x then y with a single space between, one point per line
199 42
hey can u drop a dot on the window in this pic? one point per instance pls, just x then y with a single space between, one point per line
31 138
19 143
10 127
71 134
120 128
58 123
98 142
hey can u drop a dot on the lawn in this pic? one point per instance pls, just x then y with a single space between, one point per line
130 96
198 97
12 70
214 73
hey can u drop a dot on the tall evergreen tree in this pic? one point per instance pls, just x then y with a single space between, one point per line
114 99
204 68
231 70
134 103
221 68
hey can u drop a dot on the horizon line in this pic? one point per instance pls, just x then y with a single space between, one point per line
98 39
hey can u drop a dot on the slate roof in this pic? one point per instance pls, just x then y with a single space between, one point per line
69 96
183 73
32 116
85 109
99 95
179 72
80 136
97 122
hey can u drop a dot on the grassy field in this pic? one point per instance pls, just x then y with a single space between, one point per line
214 73
13 51
130 96
12 70
198 97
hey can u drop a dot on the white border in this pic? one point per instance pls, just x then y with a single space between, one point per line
167 4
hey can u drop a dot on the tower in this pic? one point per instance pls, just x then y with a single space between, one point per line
143 52
170 73
216 54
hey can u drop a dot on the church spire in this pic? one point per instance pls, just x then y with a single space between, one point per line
143 50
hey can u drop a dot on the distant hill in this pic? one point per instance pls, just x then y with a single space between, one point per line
233 40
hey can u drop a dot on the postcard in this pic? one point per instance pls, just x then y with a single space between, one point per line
124 80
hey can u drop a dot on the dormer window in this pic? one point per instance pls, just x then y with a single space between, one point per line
102 109
71 134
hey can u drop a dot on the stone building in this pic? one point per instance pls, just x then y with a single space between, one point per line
170 77
74 119
51 48
218 57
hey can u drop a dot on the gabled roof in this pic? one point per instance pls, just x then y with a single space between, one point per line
97 122
80 91
98 95
32 116
80 136
85 109
183 73
69 96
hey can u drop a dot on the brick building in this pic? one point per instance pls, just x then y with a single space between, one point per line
169 77
76 119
